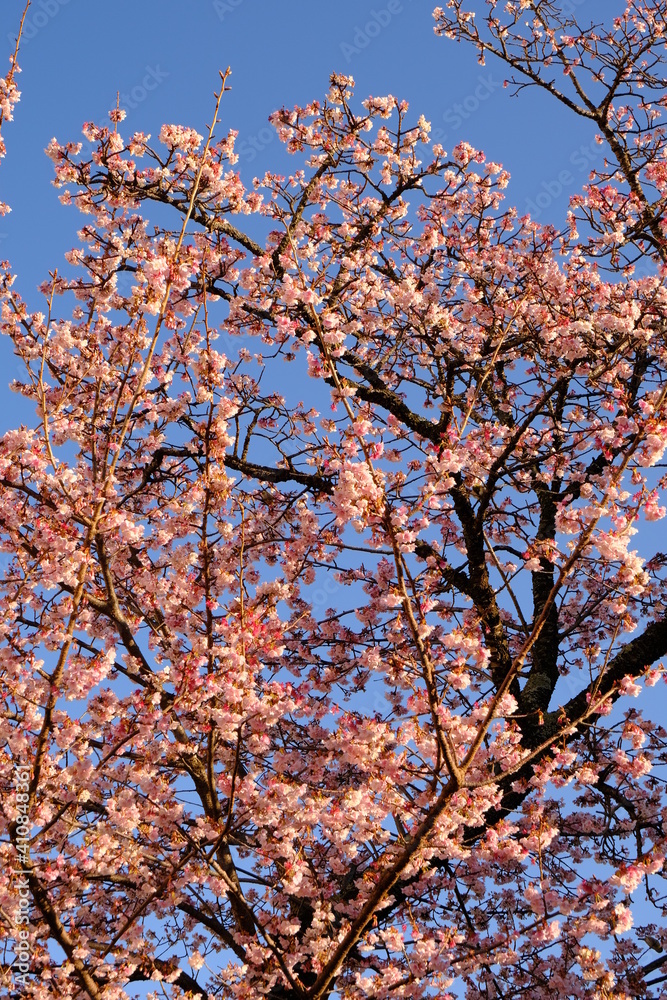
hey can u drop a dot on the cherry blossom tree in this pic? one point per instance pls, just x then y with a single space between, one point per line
322 624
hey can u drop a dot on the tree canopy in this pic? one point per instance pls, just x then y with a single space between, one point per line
332 575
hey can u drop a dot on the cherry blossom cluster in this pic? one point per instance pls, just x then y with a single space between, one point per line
333 588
